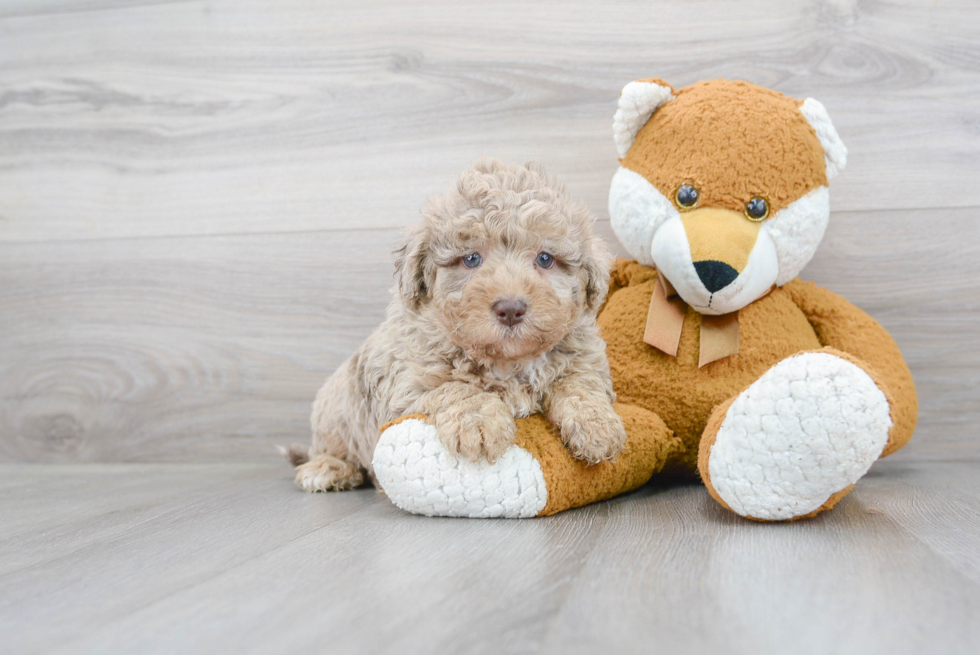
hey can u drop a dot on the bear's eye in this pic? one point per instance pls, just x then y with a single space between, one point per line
687 196
757 209
545 260
472 260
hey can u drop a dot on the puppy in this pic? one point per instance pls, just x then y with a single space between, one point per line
493 317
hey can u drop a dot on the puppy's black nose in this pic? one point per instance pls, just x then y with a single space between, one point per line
510 312
715 275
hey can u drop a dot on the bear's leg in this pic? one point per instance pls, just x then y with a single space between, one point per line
795 442
535 477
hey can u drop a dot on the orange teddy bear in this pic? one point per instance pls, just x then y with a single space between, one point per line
778 393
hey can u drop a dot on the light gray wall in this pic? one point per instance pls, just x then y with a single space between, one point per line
198 199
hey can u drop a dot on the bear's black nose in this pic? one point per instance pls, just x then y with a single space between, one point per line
715 275
510 312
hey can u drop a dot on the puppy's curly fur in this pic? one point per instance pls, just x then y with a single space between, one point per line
447 350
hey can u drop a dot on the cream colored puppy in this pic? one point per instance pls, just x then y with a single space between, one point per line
493 317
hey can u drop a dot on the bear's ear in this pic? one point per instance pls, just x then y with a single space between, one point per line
834 150
637 103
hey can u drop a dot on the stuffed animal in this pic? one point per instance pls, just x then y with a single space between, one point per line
778 393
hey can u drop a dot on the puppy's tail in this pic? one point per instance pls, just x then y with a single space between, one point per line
295 454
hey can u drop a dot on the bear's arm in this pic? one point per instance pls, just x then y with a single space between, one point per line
841 325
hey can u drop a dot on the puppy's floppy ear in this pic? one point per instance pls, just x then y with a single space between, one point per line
596 262
413 268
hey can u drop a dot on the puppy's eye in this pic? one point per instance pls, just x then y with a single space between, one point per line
687 196
757 209
544 260
472 260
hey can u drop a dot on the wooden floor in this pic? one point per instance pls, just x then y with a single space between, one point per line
170 558
198 200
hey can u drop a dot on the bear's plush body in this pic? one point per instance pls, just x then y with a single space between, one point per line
777 392
684 395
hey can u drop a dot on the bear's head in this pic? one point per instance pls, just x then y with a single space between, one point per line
722 186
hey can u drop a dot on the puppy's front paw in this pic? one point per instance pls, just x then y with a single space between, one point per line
591 430
477 426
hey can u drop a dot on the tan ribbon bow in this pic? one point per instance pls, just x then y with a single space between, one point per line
665 320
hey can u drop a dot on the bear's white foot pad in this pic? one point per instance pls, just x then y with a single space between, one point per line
809 427
420 476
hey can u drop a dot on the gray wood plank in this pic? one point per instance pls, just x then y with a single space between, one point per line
940 510
246 563
855 580
168 341
107 562
148 119
191 349
34 517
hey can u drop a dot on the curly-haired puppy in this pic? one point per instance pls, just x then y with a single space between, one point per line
493 317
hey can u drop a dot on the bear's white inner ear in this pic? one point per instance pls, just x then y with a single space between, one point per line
834 150
637 103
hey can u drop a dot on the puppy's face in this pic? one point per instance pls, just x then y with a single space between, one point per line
506 266
508 296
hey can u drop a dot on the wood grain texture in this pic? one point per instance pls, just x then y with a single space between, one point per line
232 558
198 199
149 119
211 349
